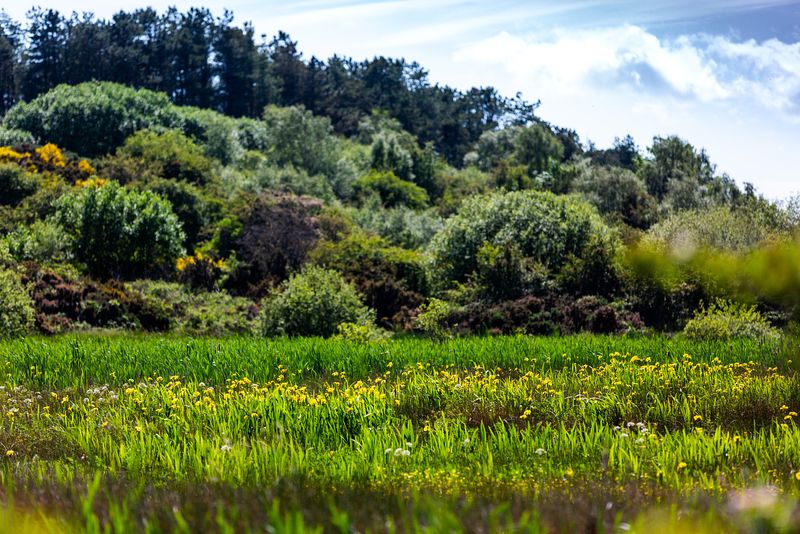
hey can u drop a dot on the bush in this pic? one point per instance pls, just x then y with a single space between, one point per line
42 241
278 231
14 137
312 303
725 320
401 226
719 228
392 190
16 308
196 210
168 154
91 118
392 279
16 184
208 313
118 232
618 193
547 229
432 318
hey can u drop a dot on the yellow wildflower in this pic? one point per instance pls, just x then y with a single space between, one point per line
51 155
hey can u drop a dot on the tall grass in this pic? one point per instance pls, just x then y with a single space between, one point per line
490 434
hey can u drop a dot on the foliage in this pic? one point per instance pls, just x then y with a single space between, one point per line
277 233
42 241
204 313
196 209
393 191
168 154
432 318
724 320
15 137
312 303
400 226
547 229
617 192
359 333
120 232
721 228
16 310
392 280
92 118
200 271
15 183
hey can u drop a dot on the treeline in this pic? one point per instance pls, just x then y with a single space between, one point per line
203 61
352 196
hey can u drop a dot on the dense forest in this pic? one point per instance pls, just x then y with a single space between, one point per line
174 172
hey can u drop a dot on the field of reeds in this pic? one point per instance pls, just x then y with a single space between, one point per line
584 433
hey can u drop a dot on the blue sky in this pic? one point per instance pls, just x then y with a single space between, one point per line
723 74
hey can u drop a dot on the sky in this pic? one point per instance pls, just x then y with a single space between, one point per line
722 74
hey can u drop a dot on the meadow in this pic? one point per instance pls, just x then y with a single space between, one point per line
587 433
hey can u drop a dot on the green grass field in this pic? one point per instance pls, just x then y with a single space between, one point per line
582 433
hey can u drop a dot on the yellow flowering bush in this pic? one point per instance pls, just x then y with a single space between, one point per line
51 155
86 168
9 155
92 181
199 270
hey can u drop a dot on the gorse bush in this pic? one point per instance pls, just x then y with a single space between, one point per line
121 233
313 303
724 320
16 307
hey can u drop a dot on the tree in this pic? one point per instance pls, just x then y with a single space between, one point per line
235 66
47 34
278 232
10 62
618 192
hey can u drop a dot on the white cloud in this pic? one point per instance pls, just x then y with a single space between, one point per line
739 100
700 67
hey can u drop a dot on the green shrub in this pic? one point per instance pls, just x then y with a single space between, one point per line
312 303
42 241
724 320
392 280
618 193
16 307
719 228
550 230
401 226
16 184
392 190
91 118
119 232
15 137
360 333
168 154
208 313
432 318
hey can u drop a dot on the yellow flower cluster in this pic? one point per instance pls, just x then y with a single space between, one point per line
86 168
93 181
9 155
51 155
182 263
